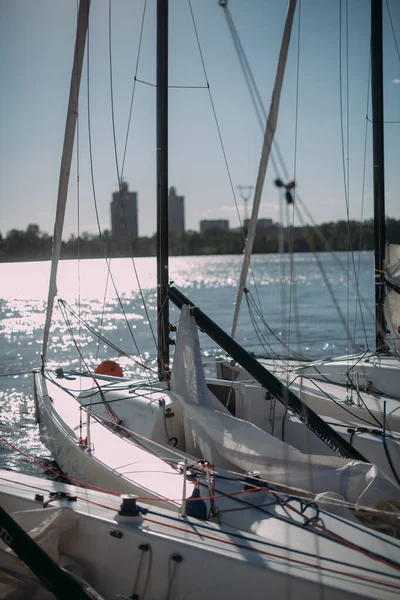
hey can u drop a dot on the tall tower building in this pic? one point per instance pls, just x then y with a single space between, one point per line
124 213
176 212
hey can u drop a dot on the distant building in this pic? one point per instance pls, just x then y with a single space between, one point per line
124 213
176 212
221 224
263 227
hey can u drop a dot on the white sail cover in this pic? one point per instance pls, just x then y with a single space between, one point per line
392 299
188 379
213 433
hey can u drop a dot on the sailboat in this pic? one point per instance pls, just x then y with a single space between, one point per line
183 449
357 393
149 552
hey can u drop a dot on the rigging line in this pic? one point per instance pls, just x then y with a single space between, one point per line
292 266
15 374
215 117
264 343
258 108
256 97
99 335
330 290
273 488
261 317
334 400
133 89
220 136
108 261
358 304
249 76
260 541
257 104
146 82
337 260
188 87
384 122
391 24
125 152
78 206
309 214
119 176
345 160
94 191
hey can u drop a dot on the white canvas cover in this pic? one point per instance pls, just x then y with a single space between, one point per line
392 299
215 435
188 379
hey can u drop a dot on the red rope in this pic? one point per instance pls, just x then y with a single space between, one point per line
37 462
211 498
264 552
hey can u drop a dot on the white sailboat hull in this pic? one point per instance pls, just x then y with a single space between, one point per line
123 556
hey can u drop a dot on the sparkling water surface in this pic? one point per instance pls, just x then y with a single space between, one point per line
294 295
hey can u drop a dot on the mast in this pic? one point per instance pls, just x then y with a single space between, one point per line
378 167
69 136
262 169
162 189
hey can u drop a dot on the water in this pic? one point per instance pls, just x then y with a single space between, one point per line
301 313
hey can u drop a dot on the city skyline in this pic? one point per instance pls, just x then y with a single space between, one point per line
321 112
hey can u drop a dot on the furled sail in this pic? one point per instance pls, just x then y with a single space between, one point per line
214 434
392 299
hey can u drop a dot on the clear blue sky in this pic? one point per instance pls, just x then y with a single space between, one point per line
36 50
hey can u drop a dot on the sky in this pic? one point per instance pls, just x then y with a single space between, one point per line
36 51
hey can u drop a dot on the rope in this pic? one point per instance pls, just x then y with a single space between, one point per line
108 261
119 174
391 24
64 306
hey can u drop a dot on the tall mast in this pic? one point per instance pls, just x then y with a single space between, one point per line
378 163
69 137
262 169
162 188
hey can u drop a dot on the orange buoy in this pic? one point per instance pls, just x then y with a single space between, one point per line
109 367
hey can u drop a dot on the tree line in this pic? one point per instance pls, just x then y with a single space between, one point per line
33 244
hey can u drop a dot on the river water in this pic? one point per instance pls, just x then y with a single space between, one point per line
295 297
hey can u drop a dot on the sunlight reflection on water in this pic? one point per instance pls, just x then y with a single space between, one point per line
210 282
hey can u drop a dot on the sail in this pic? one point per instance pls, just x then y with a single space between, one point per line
231 443
187 378
392 299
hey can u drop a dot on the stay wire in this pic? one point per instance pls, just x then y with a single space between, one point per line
100 336
362 213
133 89
107 259
254 92
346 155
215 117
311 219
221 140
93 187
261 317
329 288
291 231
344 162
119 173
391 24
335 257
257 104
259 110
